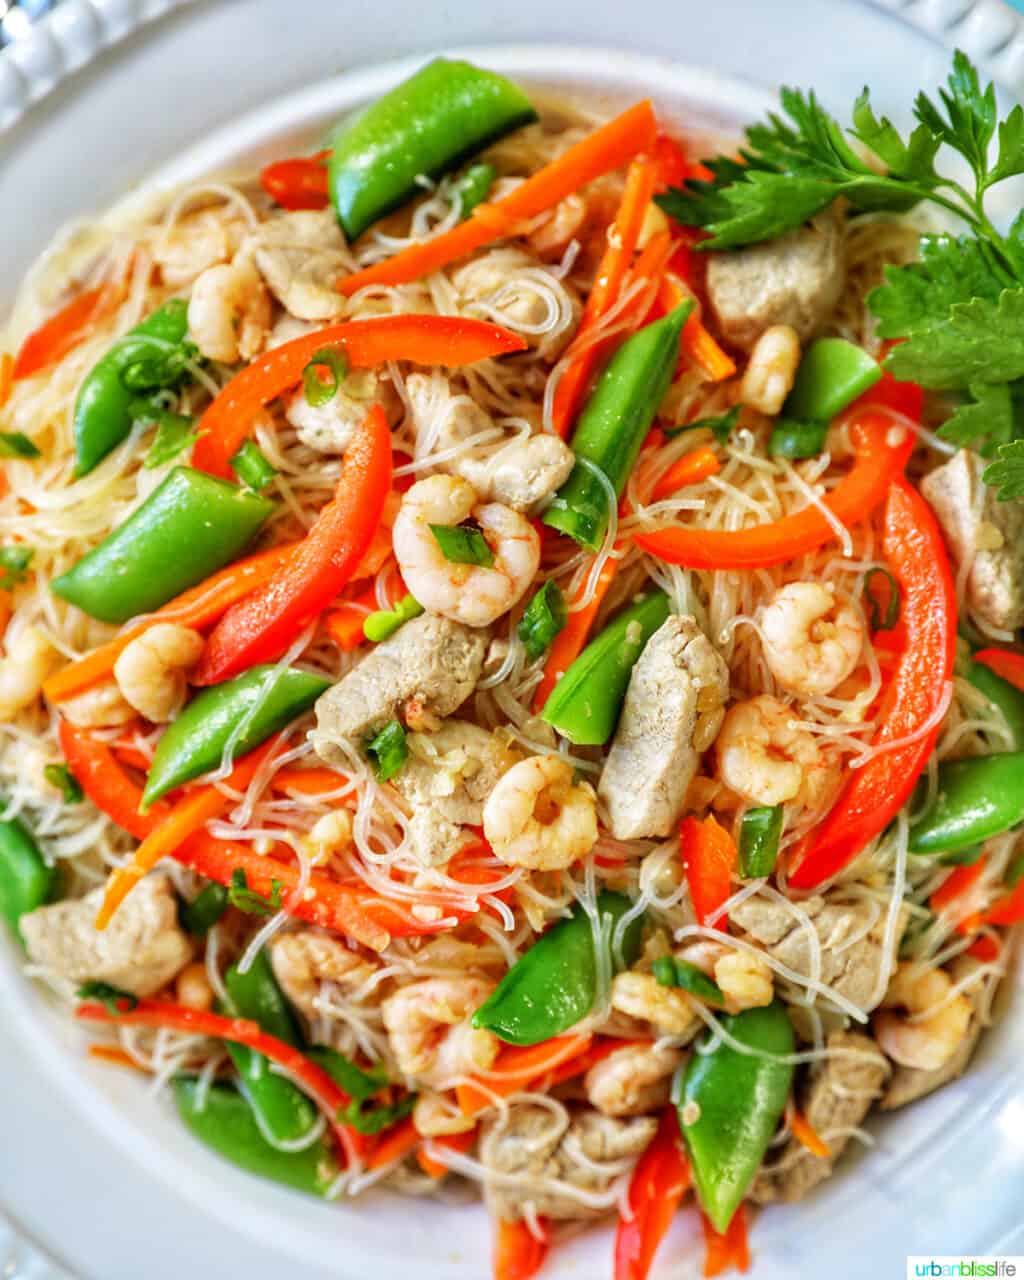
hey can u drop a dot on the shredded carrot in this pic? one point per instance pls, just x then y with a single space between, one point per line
345 623
622 239
188 816
134 757
808 1136
691 468
568 644
516 1067
603 1047
607 148
6 609
311 782
114 1054
957 886
453 1142
197 607
697 343
6 377
730 1250
394 1145
66 329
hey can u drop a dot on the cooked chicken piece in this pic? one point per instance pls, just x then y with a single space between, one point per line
533 1144
447 778
838 1095
851 968
287 328
140 951
794 280
673 709
329 427
526 472
304 960
430 665
632 1081
910 1083
301 255
985 531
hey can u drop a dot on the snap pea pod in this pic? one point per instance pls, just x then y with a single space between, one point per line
584 705
554 985
25 880
832 374
223 1121
200 915
730 1104
975 799
427 125
473 187
760 832
284 1112
149 357
188 528
262 701
1003 695
613 425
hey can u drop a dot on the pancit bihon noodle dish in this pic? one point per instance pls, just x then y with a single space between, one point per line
511 678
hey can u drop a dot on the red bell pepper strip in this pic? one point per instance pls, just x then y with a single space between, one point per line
198 1022
882 449
731 1250
1004 663
394 1145
914 549
709 856
1009 909
98 772
447 340
518 1254
673 166
987 949
660 1180
261 627
299 183
951 898
65 330
458 1142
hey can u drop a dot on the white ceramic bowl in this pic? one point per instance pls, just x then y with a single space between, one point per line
945 1176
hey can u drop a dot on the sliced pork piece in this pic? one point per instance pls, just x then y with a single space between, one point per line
838 1095
987 532
794 280
429 667
672 711
300 255
140 951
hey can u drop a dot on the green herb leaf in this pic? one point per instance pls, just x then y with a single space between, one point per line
879 621
760 833
984 422
792 438
174 433
1007 473
14 444
544 617
979 342
200 915
248 900
970 119
324 374
385 622
61 777
369 1119
158 372
14 566
388 750
721 427
252 468
463 544
670 971
112 998
918 297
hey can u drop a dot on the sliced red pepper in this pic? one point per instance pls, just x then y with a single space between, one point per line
458 1142
518 1254
986 948
881 452
447 340
1009 909
955 889
728 1251
261 627
1008 665
64 331
916 554
298 183
98 772
660 1180
709 856
673 166
903 397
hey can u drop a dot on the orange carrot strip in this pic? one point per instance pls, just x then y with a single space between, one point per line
6 609
806 1134
197 607
396 1144
727 1251
310 782
517 1253
345 623
66 329
607 148
6 377
603 1047
568 644
697 343
516 1067
691 468
114 1054
453 1142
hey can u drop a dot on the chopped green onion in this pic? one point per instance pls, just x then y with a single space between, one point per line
670 971
760 831
877 620
385 622
720 427
252 467
792 438
388 750
324 374
472 188
108 995
248 900
463 544
545 616
60 776
200 915
1015 871
14 564
174 433
14 444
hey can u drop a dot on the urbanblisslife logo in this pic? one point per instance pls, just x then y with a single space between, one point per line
959 1268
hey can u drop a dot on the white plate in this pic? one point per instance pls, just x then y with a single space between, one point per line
144 1199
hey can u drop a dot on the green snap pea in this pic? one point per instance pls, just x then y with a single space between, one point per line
791 438
150 357
832 374
584 705
730 1104
262 701
385 622
760 832
472 188
224 1122
1007 698
613 425
976 799
188 528
426 126
554 985
200 915
26 881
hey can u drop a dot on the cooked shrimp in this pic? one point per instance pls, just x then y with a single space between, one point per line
769 376
564 221
429 1032
812 641
668 1009
197 242
329 835
936 1025
304 960
632 1080
469 593
30 659
437 1116
764 758
150 670
192 987
744 979
537 817
229 312
98 708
